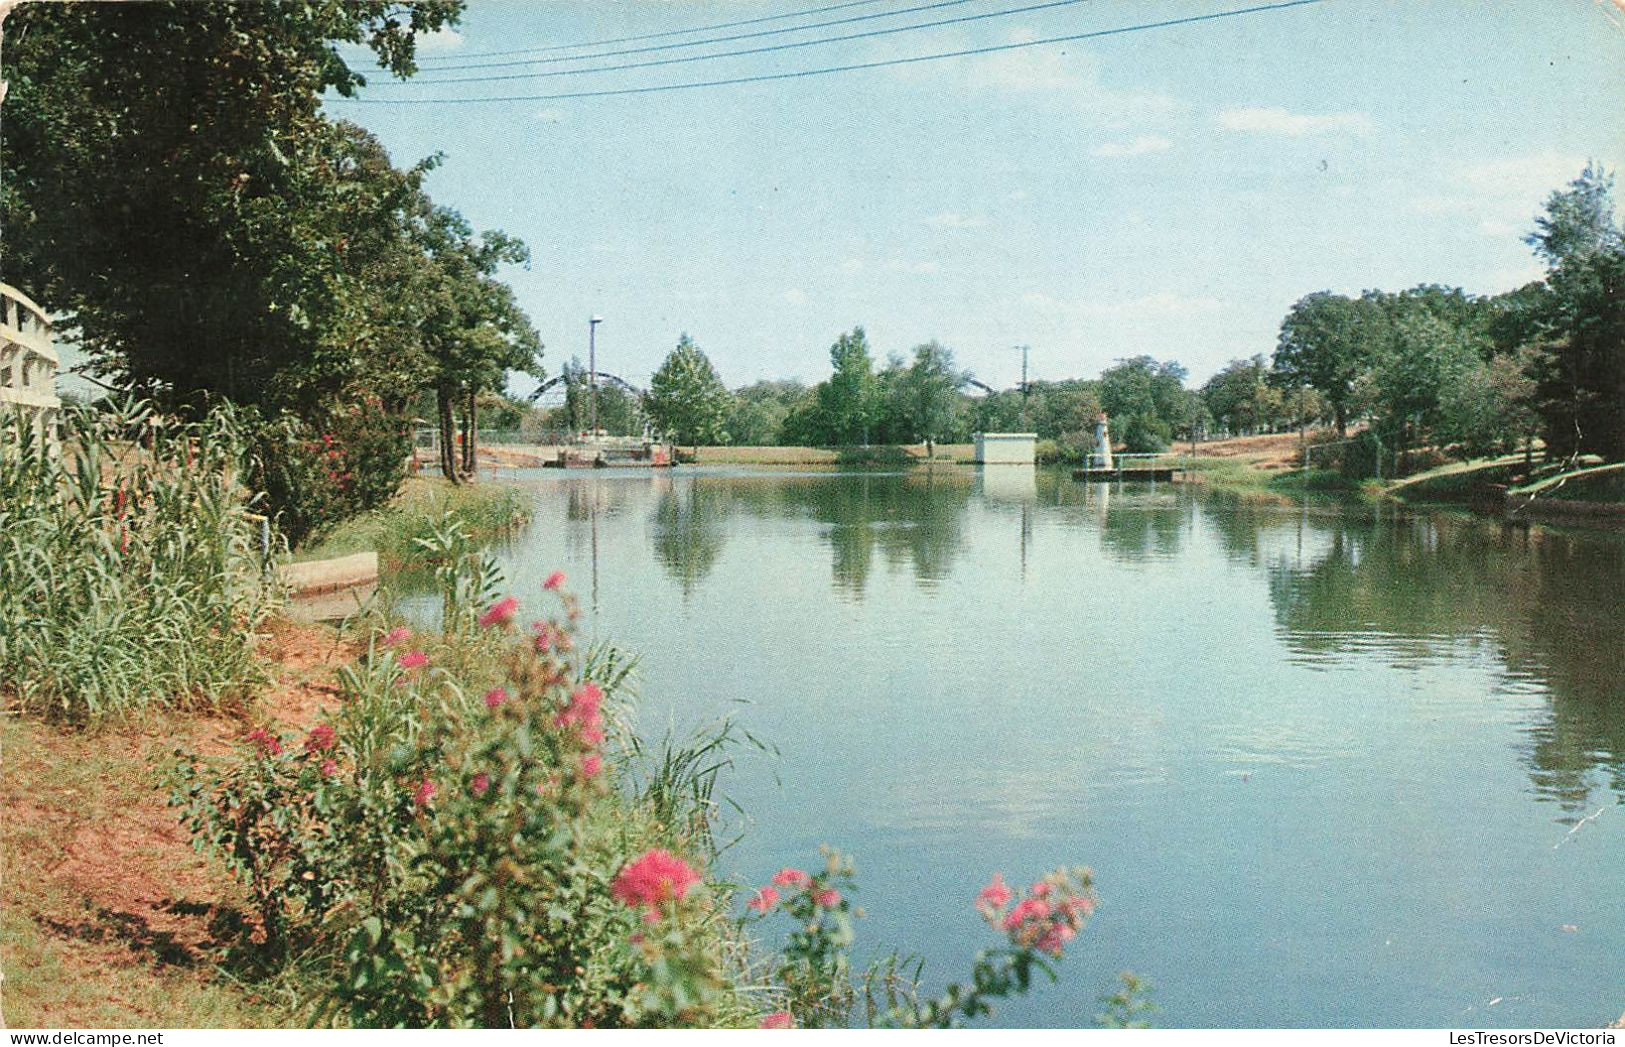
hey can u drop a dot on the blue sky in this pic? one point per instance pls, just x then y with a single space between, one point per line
1168 192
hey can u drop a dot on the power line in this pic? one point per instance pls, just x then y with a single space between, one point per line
654 36
766 49
692 43
828 70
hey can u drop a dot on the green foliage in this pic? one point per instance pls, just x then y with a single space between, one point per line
687 399
849 400
926 398
130 568
1325 344
1128 1007
1146 402
762 413
320 473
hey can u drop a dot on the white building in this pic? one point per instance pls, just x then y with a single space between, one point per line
28 364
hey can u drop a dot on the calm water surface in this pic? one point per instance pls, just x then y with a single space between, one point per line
1323 760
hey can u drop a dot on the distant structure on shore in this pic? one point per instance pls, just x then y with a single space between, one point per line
28 364
1006 448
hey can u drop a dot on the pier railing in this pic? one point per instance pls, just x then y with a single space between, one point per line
28 363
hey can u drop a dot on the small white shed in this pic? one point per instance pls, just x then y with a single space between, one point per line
1006 448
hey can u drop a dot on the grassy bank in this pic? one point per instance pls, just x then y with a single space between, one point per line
485 510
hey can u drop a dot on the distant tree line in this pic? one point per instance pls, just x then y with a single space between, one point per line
1431 366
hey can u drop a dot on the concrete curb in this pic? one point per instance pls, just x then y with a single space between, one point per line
326 576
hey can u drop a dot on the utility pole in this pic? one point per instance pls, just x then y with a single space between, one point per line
592 374
1024 350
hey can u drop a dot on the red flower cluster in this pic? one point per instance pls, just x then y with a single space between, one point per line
414 660
1050 916
554 581
792 878
481 784
268 743
550 637
777 1020
653 880
766 898
425 792
583 712
398 635
500 613
495 697
322 737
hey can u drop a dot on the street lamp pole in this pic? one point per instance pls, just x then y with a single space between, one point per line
592 372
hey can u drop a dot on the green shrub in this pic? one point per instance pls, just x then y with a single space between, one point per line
321 471
131 572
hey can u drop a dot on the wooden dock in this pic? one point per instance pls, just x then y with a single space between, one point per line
1133 474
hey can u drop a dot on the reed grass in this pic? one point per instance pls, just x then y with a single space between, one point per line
131 568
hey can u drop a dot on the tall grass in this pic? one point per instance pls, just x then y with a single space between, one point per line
396 532
130 567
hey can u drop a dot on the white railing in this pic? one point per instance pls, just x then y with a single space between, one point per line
28 363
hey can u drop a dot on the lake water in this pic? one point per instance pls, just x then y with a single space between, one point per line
1324 760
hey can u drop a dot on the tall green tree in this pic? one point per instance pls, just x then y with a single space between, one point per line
173 188
929 394
1147 402
1326 343
849 399
687 399
475 332
1580 370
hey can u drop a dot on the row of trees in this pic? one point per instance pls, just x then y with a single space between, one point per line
1435 366
176 192
920 398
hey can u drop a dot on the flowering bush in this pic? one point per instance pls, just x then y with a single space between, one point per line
332 463
448 842
814 971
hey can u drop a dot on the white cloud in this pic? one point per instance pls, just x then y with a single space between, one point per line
1278 121
955 220
439 40
550 116
796 296
1136 147
1066 77
1501 197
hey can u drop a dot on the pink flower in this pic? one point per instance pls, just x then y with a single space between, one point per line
777 1020
791 878
1040 889
655 878
583 711
828 898
329 768
425 792
765 899
268 743
481 784
501 612
591 764
554 580
397 635
1027 909
414 660
1055 938
993 897
321 738
495 697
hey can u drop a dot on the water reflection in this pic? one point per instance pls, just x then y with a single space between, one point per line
1269 725
1414 588
910 521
